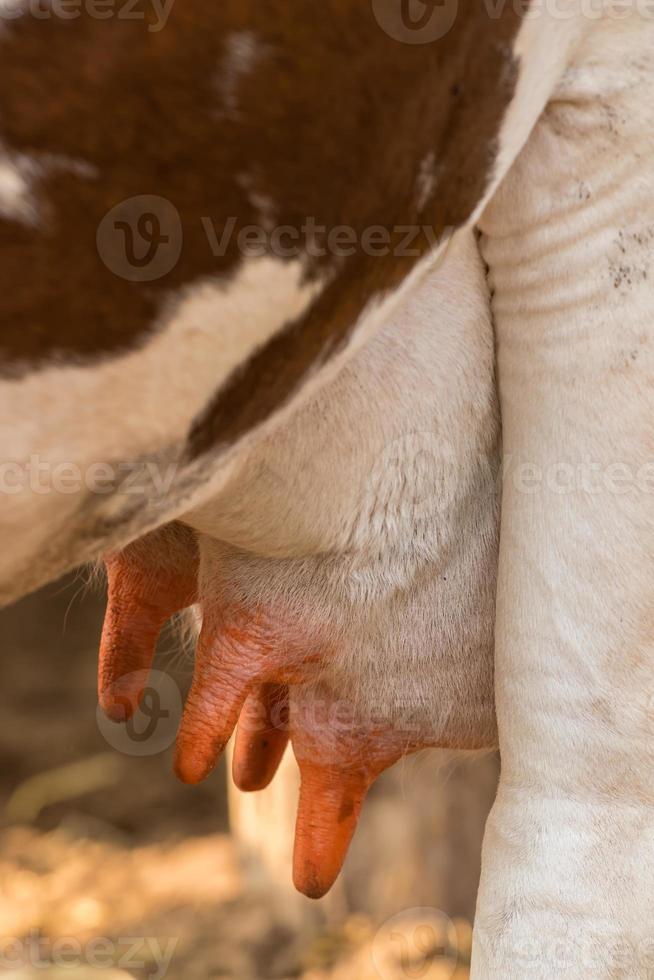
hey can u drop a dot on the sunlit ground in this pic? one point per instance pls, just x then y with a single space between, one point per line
182 910
111 869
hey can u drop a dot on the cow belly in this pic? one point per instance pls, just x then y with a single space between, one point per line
373 514
410 416
355 596
569 852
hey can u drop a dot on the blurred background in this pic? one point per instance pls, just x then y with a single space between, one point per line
111 868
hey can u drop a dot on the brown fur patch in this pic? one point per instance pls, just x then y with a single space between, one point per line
333 121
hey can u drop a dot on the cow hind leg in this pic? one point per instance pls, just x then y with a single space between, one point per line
569 849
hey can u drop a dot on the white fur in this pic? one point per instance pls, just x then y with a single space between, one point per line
242 51
569 852
143 401
143 405
17 202
20 175
372 514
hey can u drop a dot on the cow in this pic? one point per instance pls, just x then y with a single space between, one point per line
345 573
127 343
